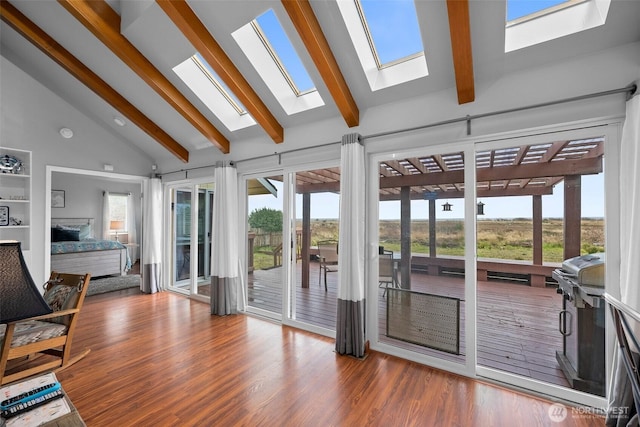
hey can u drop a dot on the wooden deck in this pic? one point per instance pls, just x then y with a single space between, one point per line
517 324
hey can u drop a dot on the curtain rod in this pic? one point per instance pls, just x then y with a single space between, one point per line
116 193
631 91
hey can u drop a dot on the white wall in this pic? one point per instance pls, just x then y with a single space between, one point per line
30 117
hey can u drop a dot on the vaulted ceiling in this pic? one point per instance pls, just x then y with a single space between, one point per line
116 58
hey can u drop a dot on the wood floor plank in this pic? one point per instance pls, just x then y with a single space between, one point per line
163 360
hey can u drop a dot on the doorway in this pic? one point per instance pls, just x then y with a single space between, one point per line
83 190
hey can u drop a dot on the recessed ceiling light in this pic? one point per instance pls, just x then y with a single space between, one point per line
66 133
119 121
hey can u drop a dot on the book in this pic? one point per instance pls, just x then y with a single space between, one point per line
37 416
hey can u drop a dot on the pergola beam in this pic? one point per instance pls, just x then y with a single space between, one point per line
585 166
507 192
36 36
104 23
195 31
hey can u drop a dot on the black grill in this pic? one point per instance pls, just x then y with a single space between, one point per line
581 322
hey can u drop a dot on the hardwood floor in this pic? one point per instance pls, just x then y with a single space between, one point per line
163 360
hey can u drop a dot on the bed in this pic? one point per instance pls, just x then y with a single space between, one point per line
75 250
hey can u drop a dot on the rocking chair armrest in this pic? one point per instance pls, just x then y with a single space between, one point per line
50 315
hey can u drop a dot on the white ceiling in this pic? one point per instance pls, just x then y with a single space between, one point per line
150 30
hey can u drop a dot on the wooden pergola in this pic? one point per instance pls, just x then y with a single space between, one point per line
530 170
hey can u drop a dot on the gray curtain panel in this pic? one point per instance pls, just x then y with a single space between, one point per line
224 295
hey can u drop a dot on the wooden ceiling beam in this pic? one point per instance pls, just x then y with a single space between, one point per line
460 31
36 36
195 31
308 27
104 23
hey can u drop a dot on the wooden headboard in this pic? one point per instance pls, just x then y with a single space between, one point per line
70 222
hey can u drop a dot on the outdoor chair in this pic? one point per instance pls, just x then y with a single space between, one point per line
328 253
47 335
386 275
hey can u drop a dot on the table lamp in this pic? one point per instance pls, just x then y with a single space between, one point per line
116 226
19 295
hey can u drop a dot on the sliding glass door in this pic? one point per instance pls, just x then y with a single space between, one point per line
475 258
191 208
265 247
541 202
290 214
315 232
420 263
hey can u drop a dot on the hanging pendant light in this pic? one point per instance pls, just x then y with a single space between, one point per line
480 208
446 207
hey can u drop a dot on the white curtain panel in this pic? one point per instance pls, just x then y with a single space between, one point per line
106 223
225 279
351 297
131 228
630 206
152 238
620 393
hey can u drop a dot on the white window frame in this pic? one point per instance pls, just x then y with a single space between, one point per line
413 68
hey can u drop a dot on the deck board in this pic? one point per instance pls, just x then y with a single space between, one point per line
517 324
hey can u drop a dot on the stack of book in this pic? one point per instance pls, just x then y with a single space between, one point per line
32 402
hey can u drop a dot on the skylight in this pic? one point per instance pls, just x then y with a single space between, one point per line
266 45
530 22
277 42
218 83
387 40
392 28
211 90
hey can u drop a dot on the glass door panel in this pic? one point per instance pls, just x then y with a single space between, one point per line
421 264
191 217
317 210
181 238
265 275
537 206
205 218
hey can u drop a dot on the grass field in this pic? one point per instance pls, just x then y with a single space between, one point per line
501 239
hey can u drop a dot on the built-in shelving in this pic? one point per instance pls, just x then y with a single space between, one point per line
15 194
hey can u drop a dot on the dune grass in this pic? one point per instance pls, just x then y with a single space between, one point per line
509 239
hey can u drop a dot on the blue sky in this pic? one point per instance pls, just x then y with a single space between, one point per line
394 28
519 8
281 44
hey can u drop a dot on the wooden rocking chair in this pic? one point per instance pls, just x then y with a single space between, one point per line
50 334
